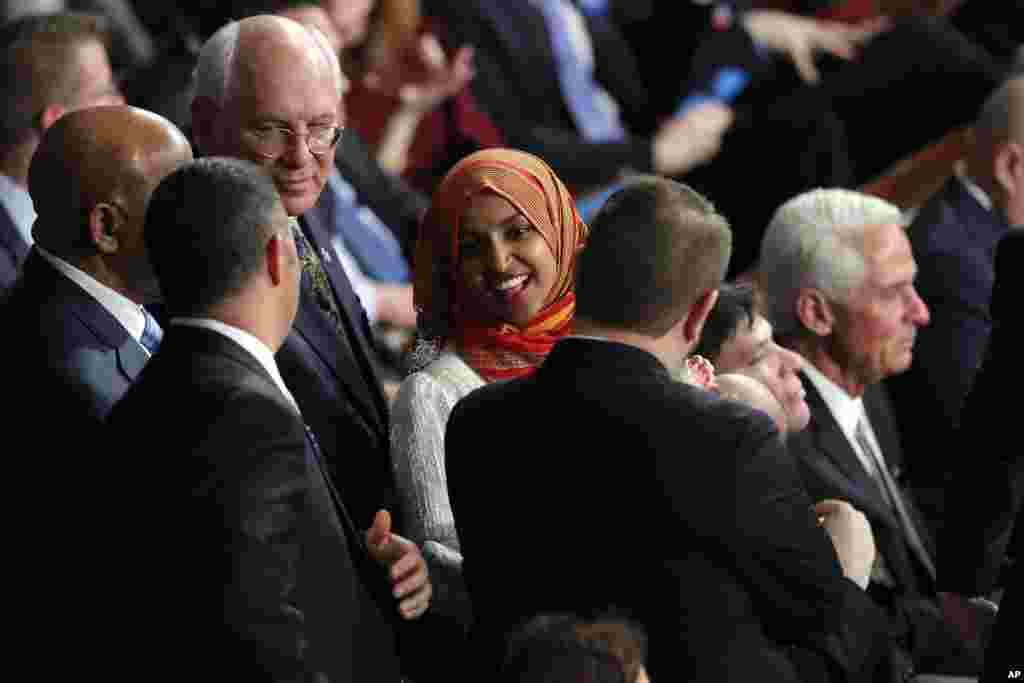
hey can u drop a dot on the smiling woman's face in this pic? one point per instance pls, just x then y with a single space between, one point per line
505 264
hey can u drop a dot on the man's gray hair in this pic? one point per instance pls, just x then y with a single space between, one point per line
215 66
813 241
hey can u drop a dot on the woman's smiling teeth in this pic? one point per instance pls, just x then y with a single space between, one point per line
511 284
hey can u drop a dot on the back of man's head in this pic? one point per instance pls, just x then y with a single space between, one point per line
813 240
207 226
654 249
996 158
562 648
41 67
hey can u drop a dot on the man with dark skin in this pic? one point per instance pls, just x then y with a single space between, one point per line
76 315
73 341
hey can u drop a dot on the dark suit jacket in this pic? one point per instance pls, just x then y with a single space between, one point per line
13 251
984 492
67 341
600 482
954 241
517 84
335 383
255 560
831 469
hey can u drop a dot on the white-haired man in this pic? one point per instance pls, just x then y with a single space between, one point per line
269 91
838 275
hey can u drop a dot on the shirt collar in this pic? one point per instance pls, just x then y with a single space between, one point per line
19 206
846 409
973 188
260 351
128 313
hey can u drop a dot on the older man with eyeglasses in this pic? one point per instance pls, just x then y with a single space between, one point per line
269 90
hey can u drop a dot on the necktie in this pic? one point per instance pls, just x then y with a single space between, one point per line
314 278
593 111
152 333
891 492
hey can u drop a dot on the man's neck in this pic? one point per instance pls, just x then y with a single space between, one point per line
662 349
818 356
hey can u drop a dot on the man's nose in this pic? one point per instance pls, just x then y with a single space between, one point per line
919 314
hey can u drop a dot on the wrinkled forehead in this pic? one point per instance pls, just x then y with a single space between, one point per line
888 257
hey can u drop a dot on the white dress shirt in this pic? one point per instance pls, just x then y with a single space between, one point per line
847 411
260 351
972 187
126 311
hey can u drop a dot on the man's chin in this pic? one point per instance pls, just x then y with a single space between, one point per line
296 206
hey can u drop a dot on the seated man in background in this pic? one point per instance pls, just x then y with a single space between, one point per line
838 277
954 239
51 64
76 322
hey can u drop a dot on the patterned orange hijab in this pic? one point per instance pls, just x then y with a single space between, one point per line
496 349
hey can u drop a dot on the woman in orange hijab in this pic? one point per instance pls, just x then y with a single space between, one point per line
493 286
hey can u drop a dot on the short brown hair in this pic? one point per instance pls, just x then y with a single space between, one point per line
654 248
37 65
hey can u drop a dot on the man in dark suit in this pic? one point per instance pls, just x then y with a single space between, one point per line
954 240
50 64
985 517
269 91
277 581
695 525
838 274
75 318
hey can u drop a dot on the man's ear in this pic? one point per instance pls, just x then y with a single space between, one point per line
105 222
49 116
815 312
1009 168
275 255
698 315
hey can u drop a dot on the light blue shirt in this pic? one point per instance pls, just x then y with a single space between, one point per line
16 200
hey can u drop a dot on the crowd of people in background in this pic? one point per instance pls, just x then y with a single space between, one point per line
522 340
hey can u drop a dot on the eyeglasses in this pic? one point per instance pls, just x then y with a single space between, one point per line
272 142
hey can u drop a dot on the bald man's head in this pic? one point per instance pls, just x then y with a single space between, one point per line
90 180
266 87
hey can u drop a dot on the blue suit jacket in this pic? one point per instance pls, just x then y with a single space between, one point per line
335 383
62 339
954 240
13 250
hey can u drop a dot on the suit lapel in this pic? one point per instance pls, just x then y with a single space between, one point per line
835 461
108 331
357 368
